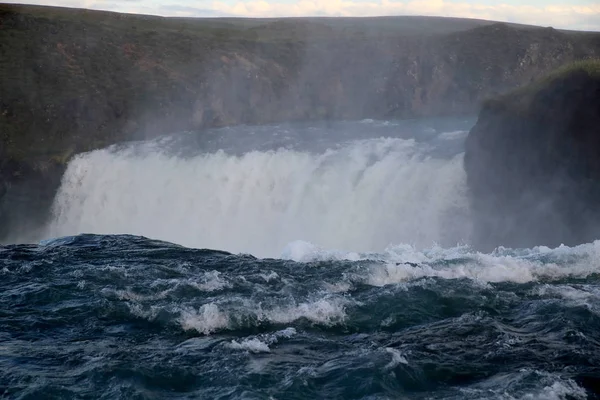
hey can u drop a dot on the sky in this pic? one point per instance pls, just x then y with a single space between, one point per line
561 14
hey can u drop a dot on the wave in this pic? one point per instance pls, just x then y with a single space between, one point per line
402 263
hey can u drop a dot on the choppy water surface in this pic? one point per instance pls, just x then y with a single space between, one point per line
127 317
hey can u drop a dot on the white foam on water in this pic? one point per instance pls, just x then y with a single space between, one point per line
253 345
302 251
496 271
286 333
306 252
587 296
213 317
580 293
271 276
209 318
338 287
261 343
397 358
404 263
212 282
363 196
517 386
323 311
559 390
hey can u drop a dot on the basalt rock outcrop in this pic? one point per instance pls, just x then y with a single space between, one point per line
76 80
533 162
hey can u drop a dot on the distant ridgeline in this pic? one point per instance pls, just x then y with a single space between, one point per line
75 80
533 162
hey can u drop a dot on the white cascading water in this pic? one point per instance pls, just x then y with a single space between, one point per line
364 196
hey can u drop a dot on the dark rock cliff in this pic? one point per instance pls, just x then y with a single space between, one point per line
75 80
533 165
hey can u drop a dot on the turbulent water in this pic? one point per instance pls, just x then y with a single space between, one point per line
348 275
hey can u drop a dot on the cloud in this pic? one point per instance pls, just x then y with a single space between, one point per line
563 16
188 11
560 16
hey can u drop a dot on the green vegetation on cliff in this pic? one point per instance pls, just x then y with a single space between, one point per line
521 100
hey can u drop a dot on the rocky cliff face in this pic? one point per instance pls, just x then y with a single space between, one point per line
74 80
532 163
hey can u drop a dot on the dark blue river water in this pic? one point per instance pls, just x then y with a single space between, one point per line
124 317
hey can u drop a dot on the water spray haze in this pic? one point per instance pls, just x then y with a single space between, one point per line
361 196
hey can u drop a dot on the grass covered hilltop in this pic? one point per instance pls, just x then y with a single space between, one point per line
522 99
75 80
532 162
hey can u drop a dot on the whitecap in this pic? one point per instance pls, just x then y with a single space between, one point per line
397 358
252 345
207 319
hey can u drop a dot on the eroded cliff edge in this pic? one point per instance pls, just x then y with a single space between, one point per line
75 80
533 162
